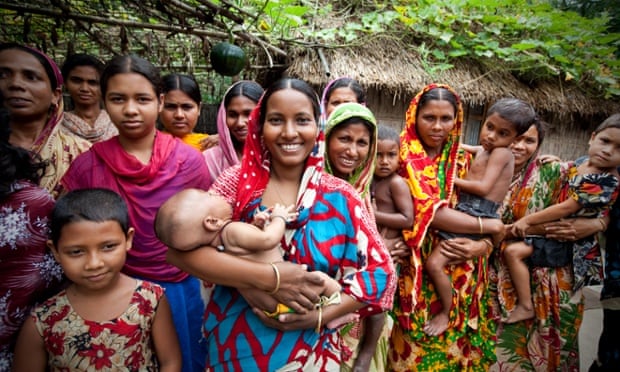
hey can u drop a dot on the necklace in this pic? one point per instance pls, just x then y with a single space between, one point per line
280 191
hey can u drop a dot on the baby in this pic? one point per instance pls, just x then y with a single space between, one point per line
181 225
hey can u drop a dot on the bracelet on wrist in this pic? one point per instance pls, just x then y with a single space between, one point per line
278 216
277 272
319 320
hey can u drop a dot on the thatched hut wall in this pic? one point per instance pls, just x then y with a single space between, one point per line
393 73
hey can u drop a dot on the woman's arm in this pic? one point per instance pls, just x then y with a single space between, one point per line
165 340
552 213
296 284
572 229
310 319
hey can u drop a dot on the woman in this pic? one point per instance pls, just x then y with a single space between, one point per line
550 340
430 159
341 90
351 138
32 87
333 233
87 120
182 103
232 127
28 272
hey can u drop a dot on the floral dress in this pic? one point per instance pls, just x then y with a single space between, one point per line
77 344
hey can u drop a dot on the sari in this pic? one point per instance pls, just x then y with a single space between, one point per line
468 343
101 130
333 233
194 139
549 341
56 145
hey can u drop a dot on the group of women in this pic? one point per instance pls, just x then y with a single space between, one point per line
285 146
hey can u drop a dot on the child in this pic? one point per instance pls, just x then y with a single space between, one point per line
179 225
480 193
146 167
104 320
592 188
391 198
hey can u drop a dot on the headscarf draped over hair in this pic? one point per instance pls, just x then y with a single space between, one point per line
56 112
431 183
224 155
54 144
256 166
361 177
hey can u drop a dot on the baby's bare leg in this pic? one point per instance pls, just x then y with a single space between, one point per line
514 254
434 266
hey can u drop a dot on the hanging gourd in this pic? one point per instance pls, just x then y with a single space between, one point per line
227 59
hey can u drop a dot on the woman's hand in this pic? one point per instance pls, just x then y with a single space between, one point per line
398 249
462 249
299 289
572 229
519 228
291 321
211 141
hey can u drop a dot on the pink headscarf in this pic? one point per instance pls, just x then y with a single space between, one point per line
224 155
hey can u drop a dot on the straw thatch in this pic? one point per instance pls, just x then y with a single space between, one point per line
386 65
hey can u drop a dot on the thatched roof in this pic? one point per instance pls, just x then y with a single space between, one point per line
385 65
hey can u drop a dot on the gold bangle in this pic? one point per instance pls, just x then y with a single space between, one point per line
480 224
318 324
603 224
275 270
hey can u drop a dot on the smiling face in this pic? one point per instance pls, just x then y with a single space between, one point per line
387 158
348 146
237 115
524 147
289 129
83 86
434 121
604 150
497 132
132 104
180 113
92 254
339 96
26 87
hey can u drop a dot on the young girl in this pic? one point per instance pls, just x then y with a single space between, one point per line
182 103
592 188
146 167
104 320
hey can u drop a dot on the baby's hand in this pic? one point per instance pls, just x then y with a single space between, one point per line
288 213
260 219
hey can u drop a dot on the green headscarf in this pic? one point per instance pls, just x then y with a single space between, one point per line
362 176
